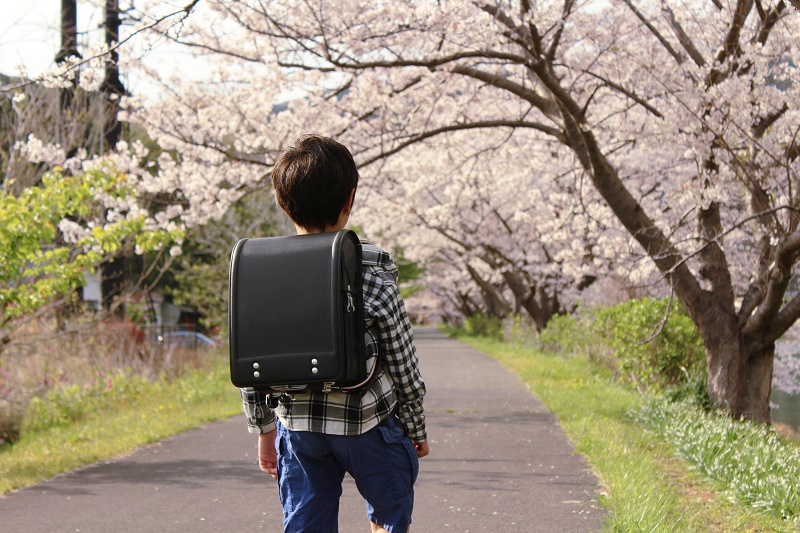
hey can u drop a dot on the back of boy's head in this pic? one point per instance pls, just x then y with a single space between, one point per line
312 180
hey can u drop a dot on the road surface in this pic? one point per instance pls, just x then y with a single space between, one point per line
499 463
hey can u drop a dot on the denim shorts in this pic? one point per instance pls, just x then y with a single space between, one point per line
311 468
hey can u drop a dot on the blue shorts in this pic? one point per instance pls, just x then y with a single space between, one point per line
311 468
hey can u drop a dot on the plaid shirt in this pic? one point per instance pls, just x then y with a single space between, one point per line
398 385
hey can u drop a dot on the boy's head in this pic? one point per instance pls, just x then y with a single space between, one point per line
313 180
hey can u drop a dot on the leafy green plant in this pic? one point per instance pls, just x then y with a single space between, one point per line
655 342
570 334
53 234
73 403
482 325
652 344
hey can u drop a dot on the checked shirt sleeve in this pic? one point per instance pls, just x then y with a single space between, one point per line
260 418
400 358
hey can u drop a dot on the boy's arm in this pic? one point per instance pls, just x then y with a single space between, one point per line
401 362
260 418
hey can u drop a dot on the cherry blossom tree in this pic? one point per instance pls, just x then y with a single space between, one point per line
675 122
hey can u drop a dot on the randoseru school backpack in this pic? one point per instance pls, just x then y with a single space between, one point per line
296 314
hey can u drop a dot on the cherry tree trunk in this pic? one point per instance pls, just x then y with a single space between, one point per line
739 371
536 301
757 384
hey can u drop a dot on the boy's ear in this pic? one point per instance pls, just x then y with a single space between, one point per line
351 198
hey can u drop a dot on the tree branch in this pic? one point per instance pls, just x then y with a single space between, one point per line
779 276
185 10
668 47
524 35
430 63
763 124
630 94
784 319
731 46
755 292
685 40
548 107
768 21
460 127
551 53
714 263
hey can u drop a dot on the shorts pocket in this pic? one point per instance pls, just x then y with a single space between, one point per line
391 433
284 488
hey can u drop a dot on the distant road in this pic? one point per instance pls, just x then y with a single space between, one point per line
499 463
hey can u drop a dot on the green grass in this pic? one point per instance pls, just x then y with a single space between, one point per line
77 426
644 486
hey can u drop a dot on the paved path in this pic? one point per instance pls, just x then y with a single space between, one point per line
498 463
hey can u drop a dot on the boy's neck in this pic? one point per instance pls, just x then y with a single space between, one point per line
340 224
332 227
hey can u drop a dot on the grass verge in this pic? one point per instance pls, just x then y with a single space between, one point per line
78 426
644 487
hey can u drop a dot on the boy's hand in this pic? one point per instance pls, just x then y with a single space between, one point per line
422 448
267 456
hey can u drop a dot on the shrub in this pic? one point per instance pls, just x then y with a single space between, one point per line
642 341
655 342
10 422
483 325
519 329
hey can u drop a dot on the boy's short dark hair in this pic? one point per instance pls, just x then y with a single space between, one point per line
312 180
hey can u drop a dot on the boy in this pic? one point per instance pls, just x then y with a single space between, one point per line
376 435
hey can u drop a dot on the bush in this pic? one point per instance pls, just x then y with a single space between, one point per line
482 325
643 342
65 405
519 329
10 422
655 347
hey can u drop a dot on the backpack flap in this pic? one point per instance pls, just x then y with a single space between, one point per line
287 312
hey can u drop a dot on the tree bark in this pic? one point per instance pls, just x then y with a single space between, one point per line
496 305
720 335
536 301
739 376
757 384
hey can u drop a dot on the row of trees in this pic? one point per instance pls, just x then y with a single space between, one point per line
566 129
520 150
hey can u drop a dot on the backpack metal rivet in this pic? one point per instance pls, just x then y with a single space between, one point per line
314 370
314 361
255 365
256 374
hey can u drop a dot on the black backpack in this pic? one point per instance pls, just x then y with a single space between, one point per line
296 314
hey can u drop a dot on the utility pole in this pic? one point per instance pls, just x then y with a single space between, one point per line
112 87
69 48
113 270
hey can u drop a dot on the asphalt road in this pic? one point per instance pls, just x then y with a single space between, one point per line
499 463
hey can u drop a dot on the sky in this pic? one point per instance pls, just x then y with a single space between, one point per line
30 36
29 33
